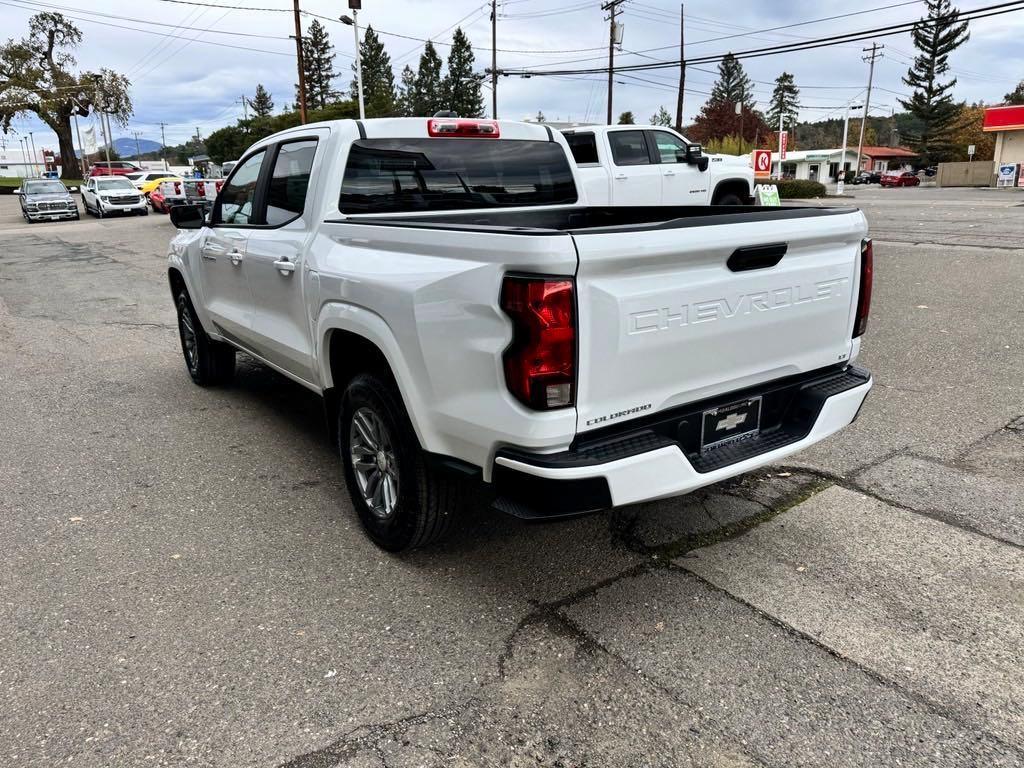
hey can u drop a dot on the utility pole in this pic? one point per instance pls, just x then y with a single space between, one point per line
300 63
612 6
138 149
841 174
780 145
163 145
682 74
873 53
494 59
245 106
34 155
81 147
99 110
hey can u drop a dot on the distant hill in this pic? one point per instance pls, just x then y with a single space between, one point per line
127 148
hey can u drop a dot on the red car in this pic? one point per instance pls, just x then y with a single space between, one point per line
157 202
904 179
114 168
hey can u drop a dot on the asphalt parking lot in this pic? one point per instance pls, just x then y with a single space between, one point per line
184 583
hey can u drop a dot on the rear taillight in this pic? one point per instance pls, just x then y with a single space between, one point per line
867 273
177 188
200 189
540 363
481 129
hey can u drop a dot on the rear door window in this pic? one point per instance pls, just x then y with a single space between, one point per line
436 174
629 148
583 146
289 181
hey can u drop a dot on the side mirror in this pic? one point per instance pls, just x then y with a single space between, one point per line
187 217
72 189
694 153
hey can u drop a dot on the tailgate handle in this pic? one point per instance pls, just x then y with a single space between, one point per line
756 257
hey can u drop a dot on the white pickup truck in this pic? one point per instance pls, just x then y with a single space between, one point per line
465 317
652 165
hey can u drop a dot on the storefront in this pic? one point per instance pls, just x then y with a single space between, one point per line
814 164
1008 125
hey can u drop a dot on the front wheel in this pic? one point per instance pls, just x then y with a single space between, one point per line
729 198
209 362
402 501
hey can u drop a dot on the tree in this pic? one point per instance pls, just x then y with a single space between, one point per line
969 130
379 95
626 118
785 102
719 119
733 84
1016 96
262 105
317 67
662 117
935 37
429 94
36 77
406 102
462 85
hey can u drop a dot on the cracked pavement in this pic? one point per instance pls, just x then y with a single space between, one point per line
185 584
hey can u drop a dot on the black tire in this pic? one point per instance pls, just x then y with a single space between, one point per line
427 500
729 198
144 212
99 211
210 363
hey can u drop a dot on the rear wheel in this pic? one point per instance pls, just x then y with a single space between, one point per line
729 198
209 362
402 501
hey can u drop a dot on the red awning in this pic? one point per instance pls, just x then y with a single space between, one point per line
1004 119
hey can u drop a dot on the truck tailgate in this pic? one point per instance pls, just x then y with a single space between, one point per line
664 319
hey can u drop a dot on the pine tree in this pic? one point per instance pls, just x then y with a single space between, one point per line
1016 96
407 92
662 117
935 37
378 79
262 105
626 118
318 67
429 93
785 102
733 84
461 85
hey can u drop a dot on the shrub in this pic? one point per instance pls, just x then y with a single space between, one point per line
799 189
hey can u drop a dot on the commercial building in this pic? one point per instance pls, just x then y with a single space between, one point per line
823 164
16 164
1007 123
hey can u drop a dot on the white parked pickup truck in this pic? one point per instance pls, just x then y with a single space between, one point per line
651 165
465 317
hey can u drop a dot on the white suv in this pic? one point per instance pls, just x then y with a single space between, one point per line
104 195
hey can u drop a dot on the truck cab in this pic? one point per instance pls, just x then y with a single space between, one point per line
636 165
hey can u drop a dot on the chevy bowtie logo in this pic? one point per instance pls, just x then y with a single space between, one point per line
731 421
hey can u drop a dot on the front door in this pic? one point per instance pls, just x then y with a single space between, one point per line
222 252
635 180
681 182
279 273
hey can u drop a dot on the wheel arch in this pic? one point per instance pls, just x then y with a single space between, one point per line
736 185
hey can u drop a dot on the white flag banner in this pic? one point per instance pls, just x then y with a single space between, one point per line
89 141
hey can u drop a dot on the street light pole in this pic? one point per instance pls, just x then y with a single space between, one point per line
494 59
353 21
841 174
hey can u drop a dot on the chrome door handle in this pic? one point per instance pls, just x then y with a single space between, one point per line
670 173
285 267
621 177
236 257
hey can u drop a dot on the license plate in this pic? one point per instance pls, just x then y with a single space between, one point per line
729 423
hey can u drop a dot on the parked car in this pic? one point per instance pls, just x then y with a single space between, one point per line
146 181
225 168
46 200
651 165
106 195
868 177
900 179
931 170
157 201
467 317
114 168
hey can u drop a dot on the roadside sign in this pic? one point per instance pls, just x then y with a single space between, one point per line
767 194
970 149
783 141
1020 176
1007 175
762 162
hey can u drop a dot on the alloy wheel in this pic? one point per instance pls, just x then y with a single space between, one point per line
374 462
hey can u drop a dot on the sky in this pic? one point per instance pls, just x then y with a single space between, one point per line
190 64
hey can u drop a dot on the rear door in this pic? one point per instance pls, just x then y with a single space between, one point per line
665 321
276 261
222 248
636 180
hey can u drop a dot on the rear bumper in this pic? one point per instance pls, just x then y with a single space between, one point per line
659 456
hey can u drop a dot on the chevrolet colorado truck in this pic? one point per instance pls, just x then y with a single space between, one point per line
465 317
652 165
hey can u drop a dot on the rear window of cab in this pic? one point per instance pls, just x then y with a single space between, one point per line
437 174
